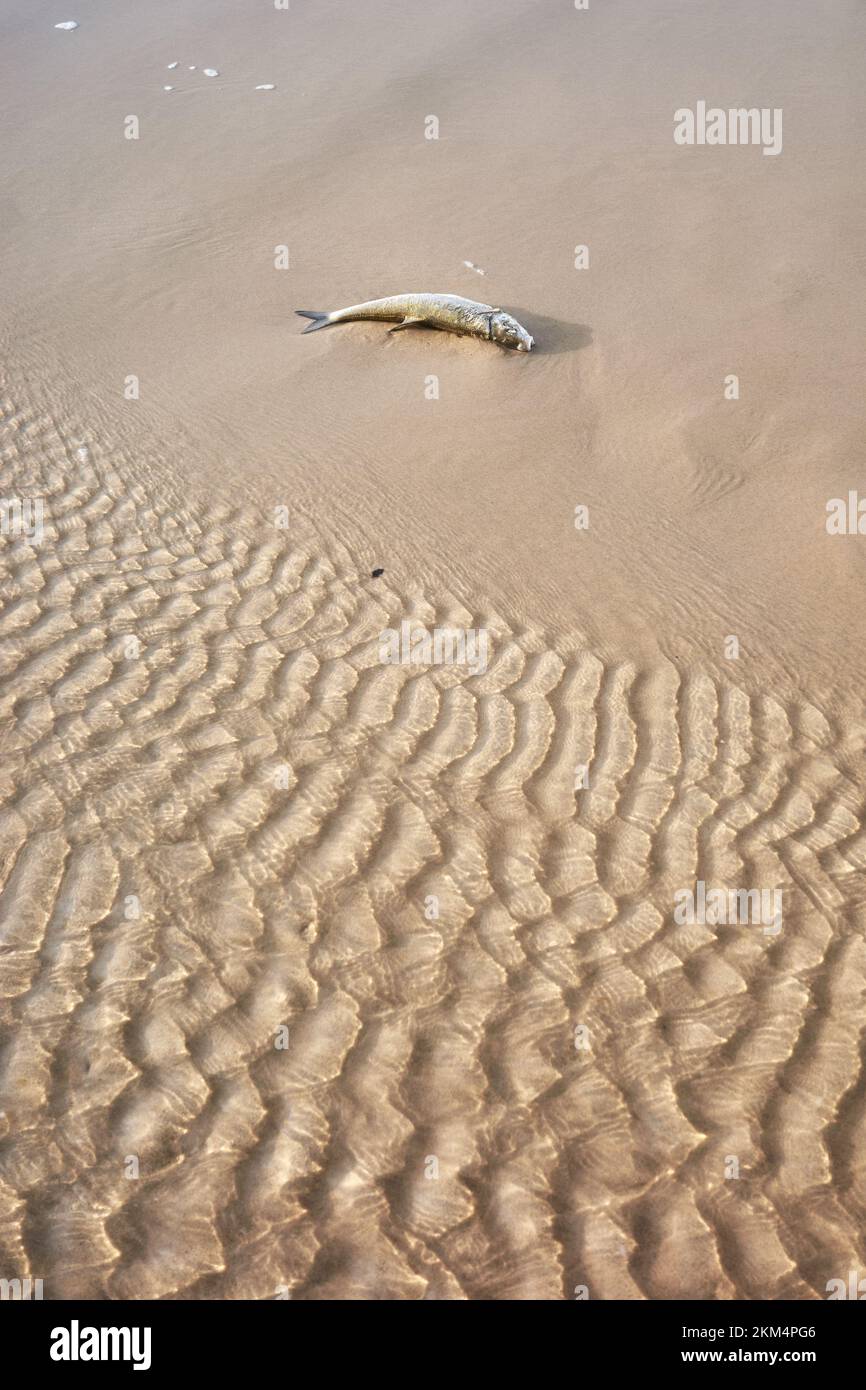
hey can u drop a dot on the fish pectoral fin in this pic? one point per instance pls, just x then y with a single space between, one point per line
407 323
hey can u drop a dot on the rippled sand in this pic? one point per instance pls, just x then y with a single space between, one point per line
157 776
320 977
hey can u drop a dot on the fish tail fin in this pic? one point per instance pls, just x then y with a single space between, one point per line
319 320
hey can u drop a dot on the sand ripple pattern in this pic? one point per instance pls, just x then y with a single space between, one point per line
240 829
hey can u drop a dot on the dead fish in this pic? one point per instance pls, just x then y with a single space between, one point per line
447 311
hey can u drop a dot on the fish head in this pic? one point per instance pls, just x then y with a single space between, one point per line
509 333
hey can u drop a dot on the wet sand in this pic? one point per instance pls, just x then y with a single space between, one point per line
330 978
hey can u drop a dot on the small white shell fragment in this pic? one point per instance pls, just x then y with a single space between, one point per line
265 87
168 89
171 66
67 24
192 67
476 268
210 72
